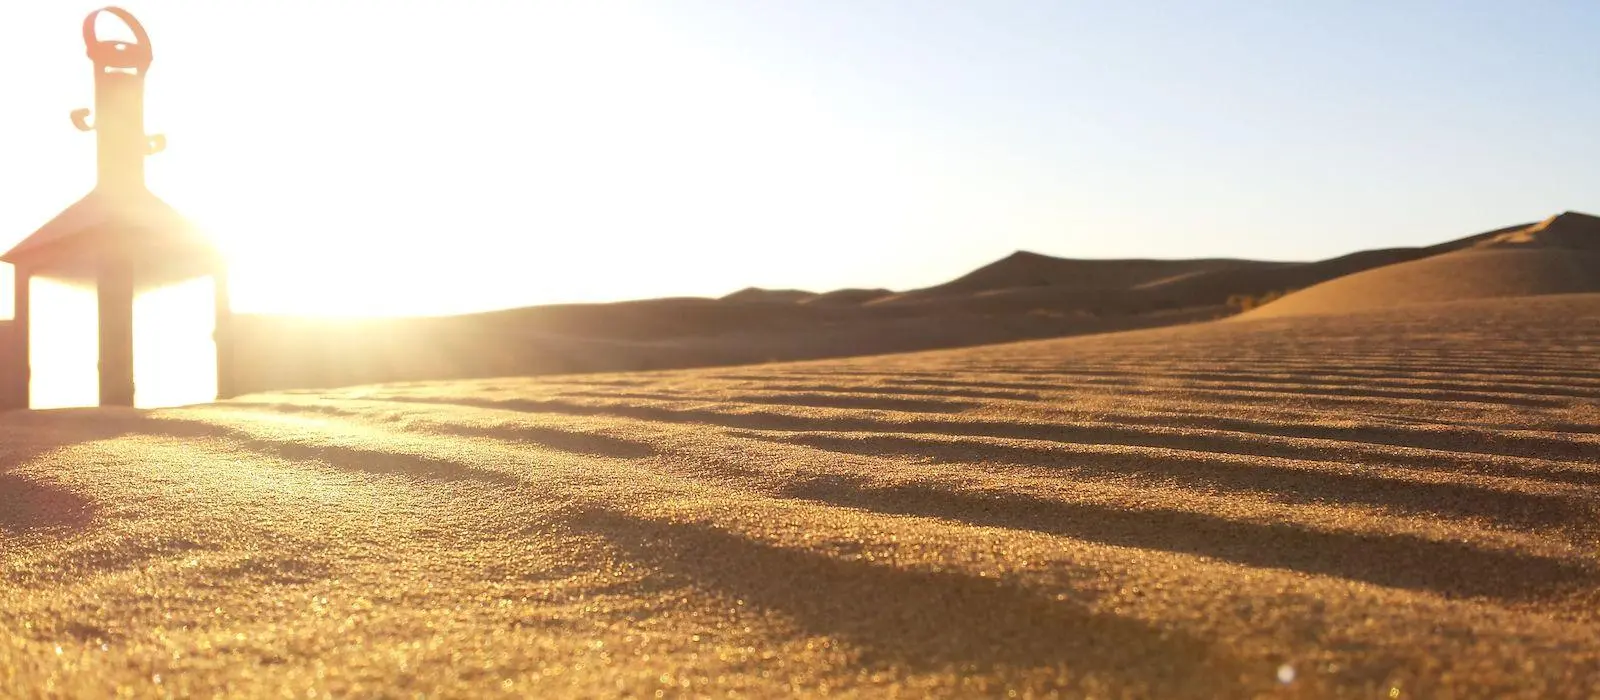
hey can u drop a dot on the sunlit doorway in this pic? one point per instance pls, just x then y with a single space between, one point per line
63 343
174 352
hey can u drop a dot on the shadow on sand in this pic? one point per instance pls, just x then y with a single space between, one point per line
1204 462
919 619
1451 569
28 504
339 456
546 437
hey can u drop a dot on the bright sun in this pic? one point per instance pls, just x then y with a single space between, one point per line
389 163
357 162
547 152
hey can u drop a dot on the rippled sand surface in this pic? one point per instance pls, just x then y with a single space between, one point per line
1386 505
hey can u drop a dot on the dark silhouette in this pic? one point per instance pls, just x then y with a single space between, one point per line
120 236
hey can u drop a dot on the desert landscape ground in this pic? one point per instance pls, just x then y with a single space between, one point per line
1395 503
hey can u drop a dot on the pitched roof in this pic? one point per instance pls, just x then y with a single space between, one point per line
138 209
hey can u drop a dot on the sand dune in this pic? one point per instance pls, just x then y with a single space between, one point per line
1025 281
1394 503
769 296
1027 270
847 296
1558 256
1569 230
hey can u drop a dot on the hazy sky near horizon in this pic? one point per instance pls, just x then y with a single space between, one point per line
434 157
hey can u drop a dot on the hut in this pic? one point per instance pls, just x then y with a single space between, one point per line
120 238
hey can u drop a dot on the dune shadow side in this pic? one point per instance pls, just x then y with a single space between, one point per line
919 619
1451 569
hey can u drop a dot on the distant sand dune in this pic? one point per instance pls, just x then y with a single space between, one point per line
1027 270
1570 231
1471 274
1557 256
847 296
770 296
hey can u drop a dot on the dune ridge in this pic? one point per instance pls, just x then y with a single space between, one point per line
1560 255
1568 230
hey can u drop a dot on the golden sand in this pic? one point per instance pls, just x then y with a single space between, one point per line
1389 505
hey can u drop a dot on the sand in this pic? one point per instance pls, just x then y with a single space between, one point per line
1395 504
1560 255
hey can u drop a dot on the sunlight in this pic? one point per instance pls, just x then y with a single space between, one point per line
441 191
63 344
553 152
174 355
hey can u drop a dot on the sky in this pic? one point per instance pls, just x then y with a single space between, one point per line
442 157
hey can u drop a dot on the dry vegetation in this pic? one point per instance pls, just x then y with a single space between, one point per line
1391 503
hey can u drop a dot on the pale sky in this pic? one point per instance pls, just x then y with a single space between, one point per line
436 157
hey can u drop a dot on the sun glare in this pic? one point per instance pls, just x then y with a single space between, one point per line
174 355
559 153
63 342
544 153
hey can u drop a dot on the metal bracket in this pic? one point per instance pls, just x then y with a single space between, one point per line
80 119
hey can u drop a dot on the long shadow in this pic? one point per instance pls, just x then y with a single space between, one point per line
339 456
1534 423
1284 484
903 390
28 505
939 384
1349 446
1455 439
1463 373
921 619
548 437
661 414
1291 485
590 444
1471 442
1451 569
1333 393
881 403
851 398
1348 385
